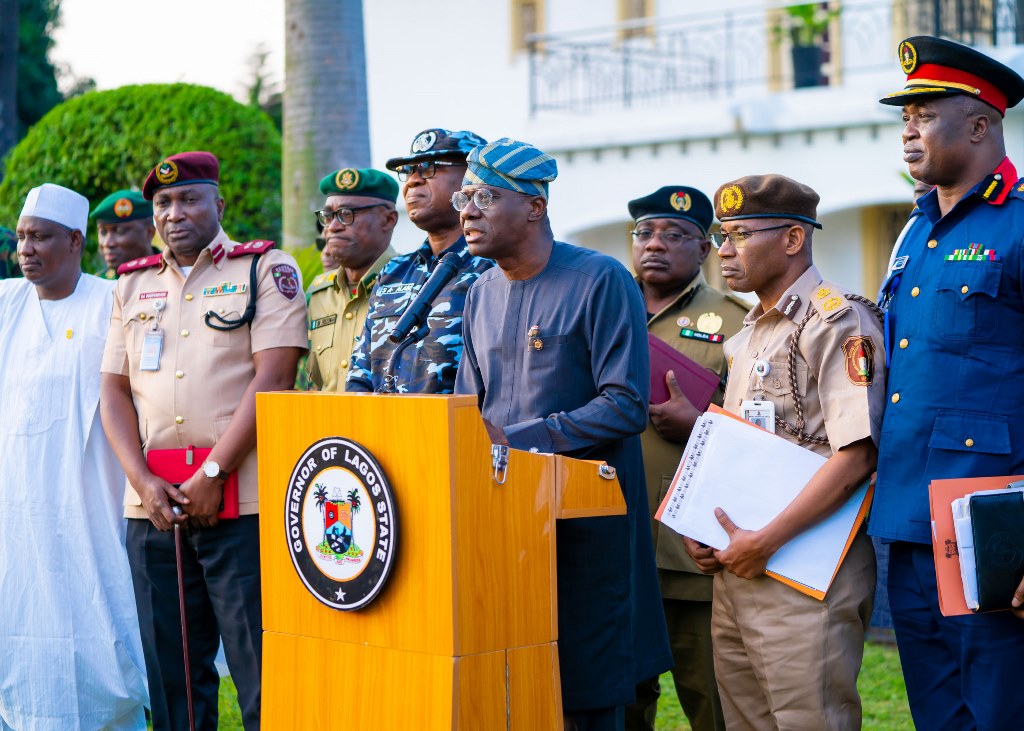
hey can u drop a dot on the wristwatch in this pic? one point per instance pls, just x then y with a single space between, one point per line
212 470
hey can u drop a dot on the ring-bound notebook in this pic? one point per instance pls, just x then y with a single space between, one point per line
177 465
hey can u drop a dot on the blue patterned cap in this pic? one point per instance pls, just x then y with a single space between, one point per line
437 143
513 165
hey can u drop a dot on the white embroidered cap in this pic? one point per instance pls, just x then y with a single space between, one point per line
59 204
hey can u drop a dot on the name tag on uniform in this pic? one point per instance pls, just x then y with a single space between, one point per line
692 334
759 413
152 348
323 322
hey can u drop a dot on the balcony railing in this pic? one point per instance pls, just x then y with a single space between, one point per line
718 54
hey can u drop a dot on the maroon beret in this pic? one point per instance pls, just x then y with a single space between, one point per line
767 196
185 168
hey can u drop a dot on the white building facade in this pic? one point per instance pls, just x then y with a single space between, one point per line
631 95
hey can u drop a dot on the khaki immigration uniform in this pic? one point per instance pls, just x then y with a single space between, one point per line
336 318
696 324
785 660
203 372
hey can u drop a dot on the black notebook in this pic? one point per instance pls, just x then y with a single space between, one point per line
997 526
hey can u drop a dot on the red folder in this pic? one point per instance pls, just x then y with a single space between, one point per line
941 493
175 466
697 382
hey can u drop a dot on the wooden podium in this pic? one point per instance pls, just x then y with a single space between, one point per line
462 635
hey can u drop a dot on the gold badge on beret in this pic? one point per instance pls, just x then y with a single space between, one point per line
709 323
167 172
908 57
123 208
680 201
730 201
346 179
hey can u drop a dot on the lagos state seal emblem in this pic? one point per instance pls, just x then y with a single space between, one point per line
341 523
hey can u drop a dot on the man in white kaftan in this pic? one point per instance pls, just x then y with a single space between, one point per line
70 653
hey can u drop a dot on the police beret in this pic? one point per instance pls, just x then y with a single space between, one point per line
937 67
511 164
360 181
122 205
185 168
675 201
767 196
438 144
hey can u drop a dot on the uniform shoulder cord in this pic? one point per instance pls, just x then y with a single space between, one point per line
250 306
797 430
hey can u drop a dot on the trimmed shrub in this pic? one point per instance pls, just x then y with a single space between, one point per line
105 140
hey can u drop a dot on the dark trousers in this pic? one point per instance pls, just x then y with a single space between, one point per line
222 593
962 673
689 631
598 719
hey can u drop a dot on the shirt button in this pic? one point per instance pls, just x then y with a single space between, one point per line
142 316
964 289
344 364
188 298
915 291
179 419
968 442
348 315
932 244
184 333
895 398
179 374
904 343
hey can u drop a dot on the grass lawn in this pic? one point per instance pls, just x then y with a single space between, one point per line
881 690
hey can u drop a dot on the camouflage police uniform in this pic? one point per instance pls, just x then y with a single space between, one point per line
429 366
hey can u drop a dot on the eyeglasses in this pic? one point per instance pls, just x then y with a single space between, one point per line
482 198
426 169
346 216
739 238
672 238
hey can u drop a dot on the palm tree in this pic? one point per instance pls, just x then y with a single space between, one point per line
326 118
321 496
353 500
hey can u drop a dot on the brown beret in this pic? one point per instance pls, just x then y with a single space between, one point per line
767 196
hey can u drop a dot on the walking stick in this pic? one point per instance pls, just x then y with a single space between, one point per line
184 620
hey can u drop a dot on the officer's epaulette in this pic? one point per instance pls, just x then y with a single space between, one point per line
1018 189
136 264
258 246
830 301
998 185
322 281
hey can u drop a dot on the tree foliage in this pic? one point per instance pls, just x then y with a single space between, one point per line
105 140
37 76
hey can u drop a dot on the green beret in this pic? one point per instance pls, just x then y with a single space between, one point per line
122 205
360 181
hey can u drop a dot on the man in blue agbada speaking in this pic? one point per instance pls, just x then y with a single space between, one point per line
547 310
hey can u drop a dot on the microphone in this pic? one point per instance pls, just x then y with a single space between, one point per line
416 313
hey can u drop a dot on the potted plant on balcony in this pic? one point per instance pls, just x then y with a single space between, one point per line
806 25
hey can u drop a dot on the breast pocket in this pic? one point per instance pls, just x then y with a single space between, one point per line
778 388
137 321
322 338
553 360
229 307
965 306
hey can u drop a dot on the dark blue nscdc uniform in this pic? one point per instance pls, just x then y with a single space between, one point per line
955 339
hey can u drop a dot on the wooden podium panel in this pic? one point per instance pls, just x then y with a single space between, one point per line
462 635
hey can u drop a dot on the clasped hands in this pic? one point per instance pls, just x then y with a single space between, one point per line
199 496
746 556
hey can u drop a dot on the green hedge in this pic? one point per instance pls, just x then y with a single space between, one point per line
105 140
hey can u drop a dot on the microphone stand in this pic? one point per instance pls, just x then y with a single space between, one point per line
390 382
